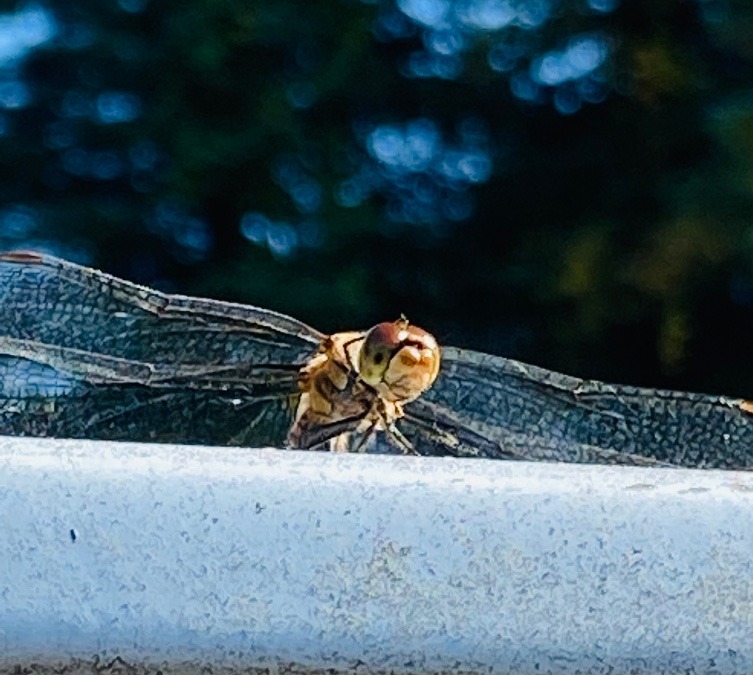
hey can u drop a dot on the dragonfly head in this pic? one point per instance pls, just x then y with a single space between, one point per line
399 360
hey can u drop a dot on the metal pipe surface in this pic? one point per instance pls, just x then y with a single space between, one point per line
178 558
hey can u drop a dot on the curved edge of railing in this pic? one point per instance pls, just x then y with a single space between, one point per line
182 559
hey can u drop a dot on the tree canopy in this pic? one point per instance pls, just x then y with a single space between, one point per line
569 182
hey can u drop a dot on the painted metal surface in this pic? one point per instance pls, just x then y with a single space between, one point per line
179 558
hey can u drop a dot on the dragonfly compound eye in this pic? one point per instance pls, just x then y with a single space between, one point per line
400 360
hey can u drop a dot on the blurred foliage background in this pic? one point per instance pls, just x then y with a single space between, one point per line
568 182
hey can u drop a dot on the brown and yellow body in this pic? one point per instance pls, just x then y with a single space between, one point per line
362 380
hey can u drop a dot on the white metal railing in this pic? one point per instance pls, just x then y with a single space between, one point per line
189 557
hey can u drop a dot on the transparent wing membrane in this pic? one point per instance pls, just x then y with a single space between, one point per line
85 355
503 407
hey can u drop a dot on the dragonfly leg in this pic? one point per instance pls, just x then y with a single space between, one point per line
397 437
340 443
365 436
382 418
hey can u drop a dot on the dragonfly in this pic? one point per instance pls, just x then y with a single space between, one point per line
87 355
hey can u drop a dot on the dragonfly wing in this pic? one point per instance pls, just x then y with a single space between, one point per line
507 407
55 302
433 430
86 355
37 399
